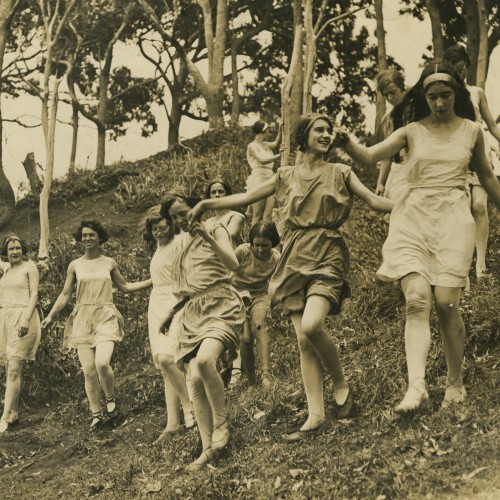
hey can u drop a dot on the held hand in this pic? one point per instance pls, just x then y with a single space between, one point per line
197 228
165 325
195 213
46 321
340 138
380 189
22 331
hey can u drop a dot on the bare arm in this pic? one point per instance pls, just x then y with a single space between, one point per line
220 243
493 127
235 225
33 280
274 144
262 158
235 200
385 170
484 171
123 285
64 296
368 156
371 199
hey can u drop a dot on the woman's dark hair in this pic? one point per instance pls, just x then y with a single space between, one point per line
10 238
258 127
388 76
414 105
218 180
191 200
304 124
95 226
455 54
154 216
264 230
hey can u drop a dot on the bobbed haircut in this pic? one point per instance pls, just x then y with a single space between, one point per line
96 226
10 238
258 127
455 54
190 199
303 126
218 180
264 230
388 76
414 105
153 216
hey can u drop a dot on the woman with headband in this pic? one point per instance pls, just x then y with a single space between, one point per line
432 233
19 322
310 277
261 158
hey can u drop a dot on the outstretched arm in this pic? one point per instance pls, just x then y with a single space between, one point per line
64 296
220 243
262 158
493 127
374 201
123 285
368 156
385 170
234 201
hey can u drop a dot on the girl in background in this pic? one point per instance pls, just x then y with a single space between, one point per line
19 322
457 55
95 324
258 260
261 158
211 318
161 232
432 233
310 278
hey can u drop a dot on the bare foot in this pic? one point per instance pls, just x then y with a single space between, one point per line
201 462
168 431
414 397
454 393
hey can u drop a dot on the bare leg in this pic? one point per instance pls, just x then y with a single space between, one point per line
258 211
92 388
453 336
258 326
12 390
480 213
247 354
418 297
103 353
268 208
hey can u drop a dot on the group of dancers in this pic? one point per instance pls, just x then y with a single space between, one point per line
211 294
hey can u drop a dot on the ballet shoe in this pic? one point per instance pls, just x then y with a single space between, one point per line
189 420
168 432
414 397
220 436
303 434
265 380
346 409
453 394
97 421
202 461
4 425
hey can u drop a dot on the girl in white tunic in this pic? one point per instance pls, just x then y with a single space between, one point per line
432 233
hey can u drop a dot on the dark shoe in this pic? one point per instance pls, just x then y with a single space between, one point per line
296 437
97 421
345 410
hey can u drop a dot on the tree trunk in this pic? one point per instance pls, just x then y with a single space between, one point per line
472 30
7 198
102 110
482 57
235 104
74 140
309 57
29 165
382 65
437 33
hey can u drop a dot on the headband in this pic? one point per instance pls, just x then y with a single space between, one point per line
265 127
437 77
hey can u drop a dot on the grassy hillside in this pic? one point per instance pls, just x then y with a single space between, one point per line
448 454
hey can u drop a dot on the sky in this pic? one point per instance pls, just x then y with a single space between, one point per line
406 40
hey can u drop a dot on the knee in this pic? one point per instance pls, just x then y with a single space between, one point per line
304 344
479 208
14 372
166 362
102 366
417 304
89 371
311 328
446 308
205 363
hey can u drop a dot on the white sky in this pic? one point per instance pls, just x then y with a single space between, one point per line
406 39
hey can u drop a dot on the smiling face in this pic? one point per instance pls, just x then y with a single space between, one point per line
261 247
441 99
14 251
217 190
90 238
160 231
393 94
319 139
179 212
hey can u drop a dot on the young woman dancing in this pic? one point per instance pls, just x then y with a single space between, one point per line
432 233
310 278
211 318
95 323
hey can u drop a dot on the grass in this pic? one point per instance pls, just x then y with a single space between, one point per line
436 454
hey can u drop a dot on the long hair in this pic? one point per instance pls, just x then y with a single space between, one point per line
218 180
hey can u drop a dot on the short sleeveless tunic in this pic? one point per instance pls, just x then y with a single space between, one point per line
315 257
162 300
260 172
432 231
14 298
214 309
95 318
225 219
